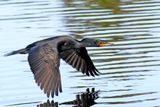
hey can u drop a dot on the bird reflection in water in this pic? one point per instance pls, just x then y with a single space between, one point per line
49 104
84 99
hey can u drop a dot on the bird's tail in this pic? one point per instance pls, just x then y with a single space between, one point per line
20 51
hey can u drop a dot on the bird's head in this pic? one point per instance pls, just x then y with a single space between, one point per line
89 42
86 42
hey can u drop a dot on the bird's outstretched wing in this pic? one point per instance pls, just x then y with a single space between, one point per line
80 60
44 63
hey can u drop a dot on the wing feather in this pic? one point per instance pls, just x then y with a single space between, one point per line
79 59
44 63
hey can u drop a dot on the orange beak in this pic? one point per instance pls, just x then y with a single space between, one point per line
102 44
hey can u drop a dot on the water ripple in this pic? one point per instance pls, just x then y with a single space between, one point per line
129 69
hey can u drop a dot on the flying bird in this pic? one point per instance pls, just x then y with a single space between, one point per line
44 59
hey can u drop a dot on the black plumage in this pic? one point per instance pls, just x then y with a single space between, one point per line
44 60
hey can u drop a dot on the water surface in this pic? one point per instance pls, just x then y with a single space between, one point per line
130 69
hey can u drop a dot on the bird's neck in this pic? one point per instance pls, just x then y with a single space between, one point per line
85 44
